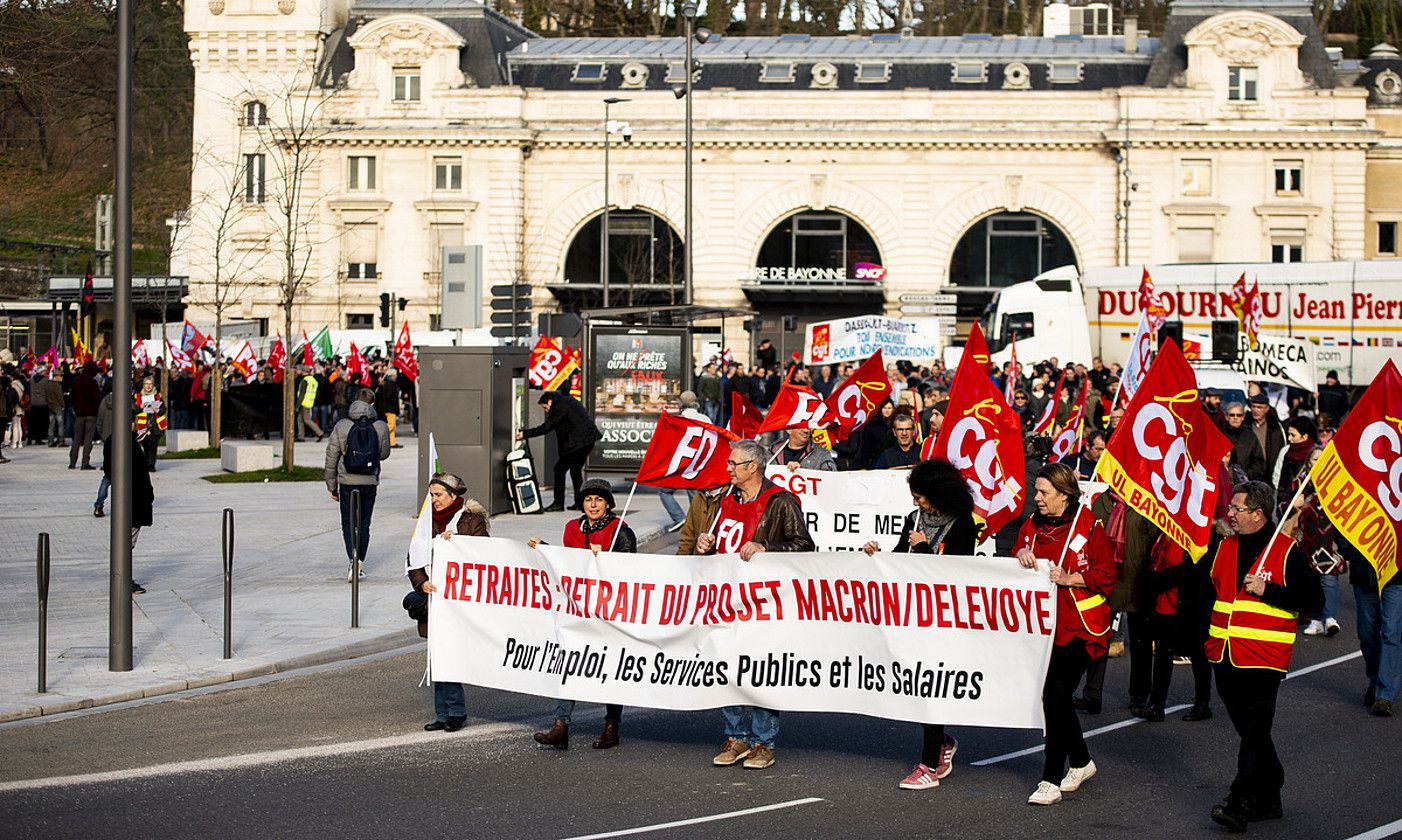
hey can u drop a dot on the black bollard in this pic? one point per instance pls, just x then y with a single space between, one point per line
355 558
228 545
41 562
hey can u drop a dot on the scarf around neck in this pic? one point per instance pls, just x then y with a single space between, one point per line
441 518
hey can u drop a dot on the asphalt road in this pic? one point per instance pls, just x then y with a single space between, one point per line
341 753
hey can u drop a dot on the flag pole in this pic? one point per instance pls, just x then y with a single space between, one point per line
626 505
1080 506
1280 525
711 529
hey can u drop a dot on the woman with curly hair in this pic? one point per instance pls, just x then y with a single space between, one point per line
942 523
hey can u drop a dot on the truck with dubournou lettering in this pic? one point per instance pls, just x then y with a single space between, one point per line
1347 316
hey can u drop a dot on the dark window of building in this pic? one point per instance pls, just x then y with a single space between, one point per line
645 260
1387 239
818 247
360 321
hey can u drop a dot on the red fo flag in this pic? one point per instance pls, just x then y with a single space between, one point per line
404 359
982 437
745 416
685 454
356 368
307 358
857 398
796 406
547 359
1163 458
1048 418
1068 440
277 358
1358 478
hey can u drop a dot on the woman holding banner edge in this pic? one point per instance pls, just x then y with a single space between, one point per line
599 529
942 523
1065 533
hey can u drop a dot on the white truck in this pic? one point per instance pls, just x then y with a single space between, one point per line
1342 316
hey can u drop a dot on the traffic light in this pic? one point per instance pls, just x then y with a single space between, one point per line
87 304
403 303
384 309
790 323
511 310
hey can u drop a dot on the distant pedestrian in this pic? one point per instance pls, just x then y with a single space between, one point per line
576 435
308 386
142 494
353 454
452 514
86 399
104 434
149 402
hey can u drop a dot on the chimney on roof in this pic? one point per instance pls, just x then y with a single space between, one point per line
1131 34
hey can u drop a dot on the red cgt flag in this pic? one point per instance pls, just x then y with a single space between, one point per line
1048 418
685 454
856 399
546 360
796 406
1163 458
404 360
745 416
982 437
1358 478
1068 440
277 358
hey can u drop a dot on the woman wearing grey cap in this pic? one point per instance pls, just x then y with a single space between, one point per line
452 514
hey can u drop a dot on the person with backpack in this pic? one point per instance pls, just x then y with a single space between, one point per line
357 446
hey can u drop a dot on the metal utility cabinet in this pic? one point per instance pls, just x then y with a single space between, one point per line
472 400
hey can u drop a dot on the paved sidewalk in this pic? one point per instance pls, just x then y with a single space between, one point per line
291 604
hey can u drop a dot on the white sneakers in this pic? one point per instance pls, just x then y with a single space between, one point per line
1045 794
1077 776
1315 628
360 567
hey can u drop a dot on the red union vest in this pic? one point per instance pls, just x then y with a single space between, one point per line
737 521
1093 609
1245 630
576 538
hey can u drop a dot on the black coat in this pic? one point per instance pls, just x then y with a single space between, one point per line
143 497
570 422
1246 452
960 539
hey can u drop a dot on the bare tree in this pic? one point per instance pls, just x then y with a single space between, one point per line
293 140
218 214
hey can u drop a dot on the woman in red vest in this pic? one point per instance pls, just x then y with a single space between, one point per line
599 529
1067 536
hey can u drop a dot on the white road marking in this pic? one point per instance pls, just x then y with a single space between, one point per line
1389 830
643 829
1318 666
262 759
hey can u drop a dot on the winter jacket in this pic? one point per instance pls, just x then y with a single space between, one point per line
1246 452
570 423
335 468
86 395
781 527
814 458
700 516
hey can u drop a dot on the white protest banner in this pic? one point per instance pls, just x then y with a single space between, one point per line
957 640
846 509
853 339
1277 358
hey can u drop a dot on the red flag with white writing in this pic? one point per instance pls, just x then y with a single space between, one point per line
745 416
1358 478
179 359
685 454
1251 320
1237 300
356 368
1164 456
858 397
307 358
245 362
1068 441
545 362
982 437
1151 302
404 359
277 358
139 357
796 407
1047 421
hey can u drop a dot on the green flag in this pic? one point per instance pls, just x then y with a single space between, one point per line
321 344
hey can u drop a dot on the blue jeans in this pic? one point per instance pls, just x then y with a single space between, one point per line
763 729
103 487
1380 638
672 506
367 507
1330 585
565 708
711 408
449 701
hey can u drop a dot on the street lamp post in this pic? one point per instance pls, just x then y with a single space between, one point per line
693 37
604 228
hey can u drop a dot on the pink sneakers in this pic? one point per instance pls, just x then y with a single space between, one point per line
946 757
921 778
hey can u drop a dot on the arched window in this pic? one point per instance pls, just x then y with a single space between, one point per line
1008 248
255 113
819 246
645 264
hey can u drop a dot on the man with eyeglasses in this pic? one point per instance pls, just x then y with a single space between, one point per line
1092 446
755 516
1260 595
1246 447
904 454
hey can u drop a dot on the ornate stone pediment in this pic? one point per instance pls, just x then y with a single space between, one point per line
1243 38
405 39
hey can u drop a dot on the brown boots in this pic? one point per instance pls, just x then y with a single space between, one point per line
609 737
558 736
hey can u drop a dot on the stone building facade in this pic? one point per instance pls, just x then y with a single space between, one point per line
832 175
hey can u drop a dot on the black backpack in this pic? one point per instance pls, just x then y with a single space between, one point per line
362 456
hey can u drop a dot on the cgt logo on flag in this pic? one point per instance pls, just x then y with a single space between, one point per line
973 448
821 342
854 401
1359 475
